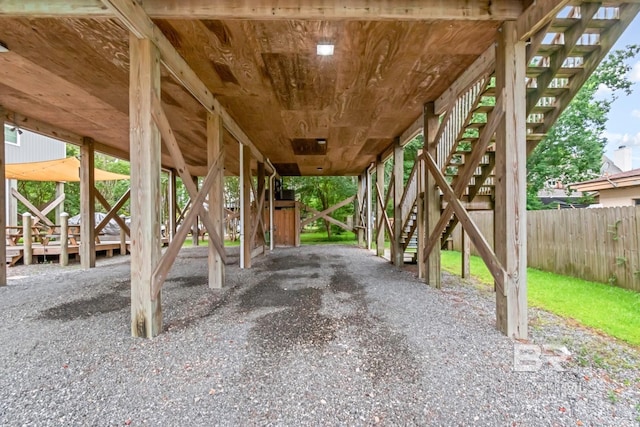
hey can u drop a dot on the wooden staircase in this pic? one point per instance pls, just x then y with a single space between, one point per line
560 59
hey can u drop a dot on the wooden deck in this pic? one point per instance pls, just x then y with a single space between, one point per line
53 249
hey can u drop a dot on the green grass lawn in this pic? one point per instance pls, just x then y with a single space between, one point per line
320 238
614 311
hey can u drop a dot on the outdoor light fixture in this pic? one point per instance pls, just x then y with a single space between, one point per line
319 168
325 49
321 141
3 48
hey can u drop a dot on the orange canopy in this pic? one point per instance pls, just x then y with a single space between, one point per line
61 170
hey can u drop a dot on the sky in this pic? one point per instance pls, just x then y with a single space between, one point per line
623 125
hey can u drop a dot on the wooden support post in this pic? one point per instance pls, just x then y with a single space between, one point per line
64 239
123 239
421 229
379 207
360 206
27 238
195 228
510 236
215 151
87 205
259 220
146 311
398 188
59 206
172 204
272 200
245 206
3 210
432 208
466 254
368 210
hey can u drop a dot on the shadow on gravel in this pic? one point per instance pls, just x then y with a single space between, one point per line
85 308
384 354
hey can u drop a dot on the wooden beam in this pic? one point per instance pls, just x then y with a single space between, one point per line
398 189
87 205
481 66
146 308
172 202
462 179
245 206
484 10
55 132
3 201
112 211
412 131
325 213
195 226
134 17
536 16
34 210
432 202
328 218
510 223
162 122
466 255
165 263
483 247
215 153
380 208
258 221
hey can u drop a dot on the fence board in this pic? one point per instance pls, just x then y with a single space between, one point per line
600 245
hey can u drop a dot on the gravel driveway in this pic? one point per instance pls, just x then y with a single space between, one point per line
318 335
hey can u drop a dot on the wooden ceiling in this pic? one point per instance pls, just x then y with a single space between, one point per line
72 73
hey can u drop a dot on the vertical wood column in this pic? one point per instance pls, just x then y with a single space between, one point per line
215 150
359 206
398 189
466 254
272 196
87 205
3 209
379 208
260 213
510 187
432 208
146 314
368 211
173 196
195 228
245 206
421 229
60 207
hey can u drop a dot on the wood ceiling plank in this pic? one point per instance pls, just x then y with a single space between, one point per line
496 10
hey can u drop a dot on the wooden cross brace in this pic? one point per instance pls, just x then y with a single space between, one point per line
112 211
325 214
493 263
40 214
197 199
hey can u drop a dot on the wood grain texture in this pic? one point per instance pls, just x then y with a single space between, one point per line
215 153
284 9
510 192
87 205
146 310
264 73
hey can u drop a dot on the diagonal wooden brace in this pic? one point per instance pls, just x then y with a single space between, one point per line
31 207
166 261
181 166
328 218
463 179
325 213
112 211
385 217
493 264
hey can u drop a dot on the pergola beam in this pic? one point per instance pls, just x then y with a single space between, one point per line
494 10
134 17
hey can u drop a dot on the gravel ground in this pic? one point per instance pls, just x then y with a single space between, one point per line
319 335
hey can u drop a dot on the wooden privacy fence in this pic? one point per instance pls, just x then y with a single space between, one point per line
601 245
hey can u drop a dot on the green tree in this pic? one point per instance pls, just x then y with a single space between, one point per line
322 192
572 150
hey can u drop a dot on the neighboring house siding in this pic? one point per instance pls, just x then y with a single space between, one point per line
619 196
34 148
